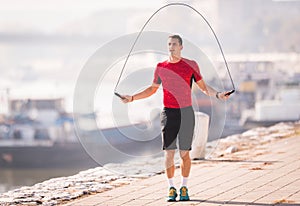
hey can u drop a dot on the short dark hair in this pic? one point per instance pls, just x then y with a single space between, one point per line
176 36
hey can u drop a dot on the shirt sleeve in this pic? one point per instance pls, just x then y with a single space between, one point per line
156 79
196 72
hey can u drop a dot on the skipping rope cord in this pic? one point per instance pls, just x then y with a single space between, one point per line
141 31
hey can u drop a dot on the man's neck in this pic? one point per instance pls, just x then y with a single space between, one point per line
174 59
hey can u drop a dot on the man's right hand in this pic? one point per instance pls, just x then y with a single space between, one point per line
127 99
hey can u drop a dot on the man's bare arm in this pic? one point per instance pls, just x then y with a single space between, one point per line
209 91
141 95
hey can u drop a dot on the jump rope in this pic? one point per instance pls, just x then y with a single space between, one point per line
142 29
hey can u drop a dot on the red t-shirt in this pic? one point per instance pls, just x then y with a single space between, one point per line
177 79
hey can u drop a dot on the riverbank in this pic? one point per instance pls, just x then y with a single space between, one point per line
264 175
241 147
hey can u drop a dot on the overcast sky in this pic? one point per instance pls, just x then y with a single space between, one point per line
28 66
46 15
19 65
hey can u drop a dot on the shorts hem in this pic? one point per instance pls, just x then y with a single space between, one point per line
169 148
189 149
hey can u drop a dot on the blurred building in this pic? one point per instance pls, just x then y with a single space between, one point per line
4 101
46 111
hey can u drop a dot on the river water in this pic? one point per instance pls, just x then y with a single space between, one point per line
15 178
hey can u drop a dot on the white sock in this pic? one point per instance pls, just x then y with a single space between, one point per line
184 181
170 181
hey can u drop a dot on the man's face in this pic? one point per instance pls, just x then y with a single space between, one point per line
174 47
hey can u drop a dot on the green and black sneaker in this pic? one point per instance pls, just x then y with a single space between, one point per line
172 195
184 195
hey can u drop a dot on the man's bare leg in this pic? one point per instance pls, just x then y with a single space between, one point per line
185 165
185 172
170 170
169 163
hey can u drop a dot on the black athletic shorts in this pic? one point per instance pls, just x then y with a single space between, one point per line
177 124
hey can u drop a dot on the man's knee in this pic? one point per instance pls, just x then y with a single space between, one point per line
185 155
169 158
169 154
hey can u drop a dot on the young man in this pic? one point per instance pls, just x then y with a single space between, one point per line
177 118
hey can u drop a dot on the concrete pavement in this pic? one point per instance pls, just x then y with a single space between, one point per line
268 174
